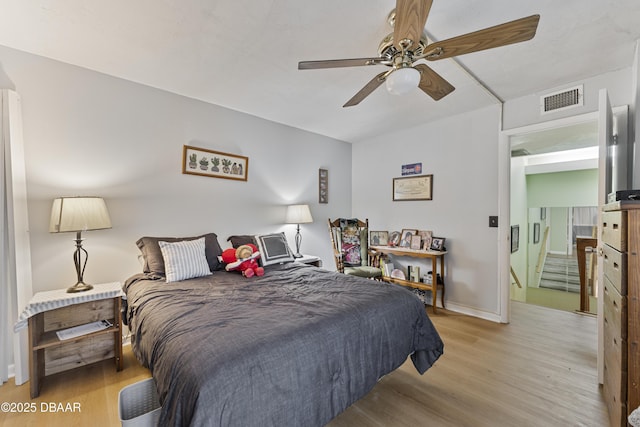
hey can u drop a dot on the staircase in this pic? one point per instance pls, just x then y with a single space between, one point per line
560 272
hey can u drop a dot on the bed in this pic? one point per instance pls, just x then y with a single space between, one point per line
294 347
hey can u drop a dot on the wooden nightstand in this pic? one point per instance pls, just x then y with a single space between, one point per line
311 260
52 311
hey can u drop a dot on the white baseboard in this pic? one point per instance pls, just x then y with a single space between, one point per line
469 311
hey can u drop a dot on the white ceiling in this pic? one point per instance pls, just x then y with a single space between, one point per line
243 54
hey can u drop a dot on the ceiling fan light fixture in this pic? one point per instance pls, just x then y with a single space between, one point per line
403 80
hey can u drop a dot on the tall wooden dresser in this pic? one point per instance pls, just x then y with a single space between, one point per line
621 258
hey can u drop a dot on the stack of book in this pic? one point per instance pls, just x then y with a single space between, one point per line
387 268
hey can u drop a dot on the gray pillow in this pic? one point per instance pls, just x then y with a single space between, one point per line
154 263
243 239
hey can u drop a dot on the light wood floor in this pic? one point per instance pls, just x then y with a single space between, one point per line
540 370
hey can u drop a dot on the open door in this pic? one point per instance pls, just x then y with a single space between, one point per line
605 143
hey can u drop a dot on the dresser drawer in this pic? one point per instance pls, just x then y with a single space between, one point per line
615 312
615 356
614 229
617 408
615 268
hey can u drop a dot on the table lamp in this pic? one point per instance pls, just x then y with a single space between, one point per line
298 214
79 214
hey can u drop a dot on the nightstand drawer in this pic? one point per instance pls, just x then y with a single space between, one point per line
614 229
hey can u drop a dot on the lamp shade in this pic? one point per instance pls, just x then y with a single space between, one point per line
78 214
403 80
298 214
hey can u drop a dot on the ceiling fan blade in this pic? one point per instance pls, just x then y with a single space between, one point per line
367 89
337 63
501 35
411 15
432 83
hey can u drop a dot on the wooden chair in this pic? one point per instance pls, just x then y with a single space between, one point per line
350 241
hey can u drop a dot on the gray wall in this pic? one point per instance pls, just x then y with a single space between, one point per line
461 153
86 133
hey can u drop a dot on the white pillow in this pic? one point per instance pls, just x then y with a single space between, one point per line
184 260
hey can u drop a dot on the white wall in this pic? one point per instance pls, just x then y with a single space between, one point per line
86 133
461 153
634 113
519 216
525 111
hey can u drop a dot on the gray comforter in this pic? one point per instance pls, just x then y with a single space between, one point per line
292 348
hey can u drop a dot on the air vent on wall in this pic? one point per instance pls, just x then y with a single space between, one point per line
561 100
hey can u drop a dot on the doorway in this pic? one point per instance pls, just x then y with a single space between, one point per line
560 154
553 178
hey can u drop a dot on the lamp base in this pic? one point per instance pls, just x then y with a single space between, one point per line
298 255
79 287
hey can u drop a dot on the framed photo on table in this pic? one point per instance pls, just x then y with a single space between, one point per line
405 240
416 242
394 238
379 238
426 236
437 244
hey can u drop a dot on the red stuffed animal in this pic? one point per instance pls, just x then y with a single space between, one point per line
243 259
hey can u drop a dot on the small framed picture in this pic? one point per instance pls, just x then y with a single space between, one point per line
215 164
426 236
413 188
323 186
405 240
394 238
416 242
536 232
437 244
515 238
379 238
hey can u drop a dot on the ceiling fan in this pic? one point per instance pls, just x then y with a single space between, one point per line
408 44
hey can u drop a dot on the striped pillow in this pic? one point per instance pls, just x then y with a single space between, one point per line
184 260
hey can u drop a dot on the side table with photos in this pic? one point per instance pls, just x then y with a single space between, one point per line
415 244
437 278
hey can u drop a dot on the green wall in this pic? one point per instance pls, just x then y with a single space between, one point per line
572 188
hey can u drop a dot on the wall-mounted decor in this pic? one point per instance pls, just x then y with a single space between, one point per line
412 169
515 238
323 186
536 232
413 188
200 161
543 214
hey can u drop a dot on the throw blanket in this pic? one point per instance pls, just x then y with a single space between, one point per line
294 347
